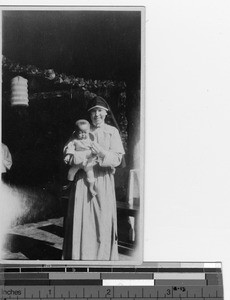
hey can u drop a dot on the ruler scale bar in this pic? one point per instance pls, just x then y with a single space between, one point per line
76 269
126 276
72 276
179 276
19 276
127 282
52 282
113 292
121 270
155 281
110 282
180 282
165 276
138 270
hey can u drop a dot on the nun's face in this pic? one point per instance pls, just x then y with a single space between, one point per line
98 115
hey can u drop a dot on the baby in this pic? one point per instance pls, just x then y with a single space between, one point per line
82 142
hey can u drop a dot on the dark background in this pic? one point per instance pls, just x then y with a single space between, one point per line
90 44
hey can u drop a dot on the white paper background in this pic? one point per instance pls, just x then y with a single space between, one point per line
187 178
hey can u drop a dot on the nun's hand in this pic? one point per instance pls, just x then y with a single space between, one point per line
97 149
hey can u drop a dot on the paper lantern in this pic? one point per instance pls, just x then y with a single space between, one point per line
19 91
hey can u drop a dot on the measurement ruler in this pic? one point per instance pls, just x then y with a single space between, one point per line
148 281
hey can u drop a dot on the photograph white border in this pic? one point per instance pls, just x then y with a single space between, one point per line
140 243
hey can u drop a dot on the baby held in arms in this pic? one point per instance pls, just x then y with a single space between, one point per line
82 142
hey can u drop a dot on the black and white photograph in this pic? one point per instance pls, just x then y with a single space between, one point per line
72 134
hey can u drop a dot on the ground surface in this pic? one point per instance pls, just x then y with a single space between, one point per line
41 240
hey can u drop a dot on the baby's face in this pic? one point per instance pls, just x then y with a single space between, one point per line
82 135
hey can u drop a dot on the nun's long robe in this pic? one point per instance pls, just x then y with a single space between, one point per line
91 222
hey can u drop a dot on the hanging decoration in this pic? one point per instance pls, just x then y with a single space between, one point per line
62 78
88 86
48 95
19 91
